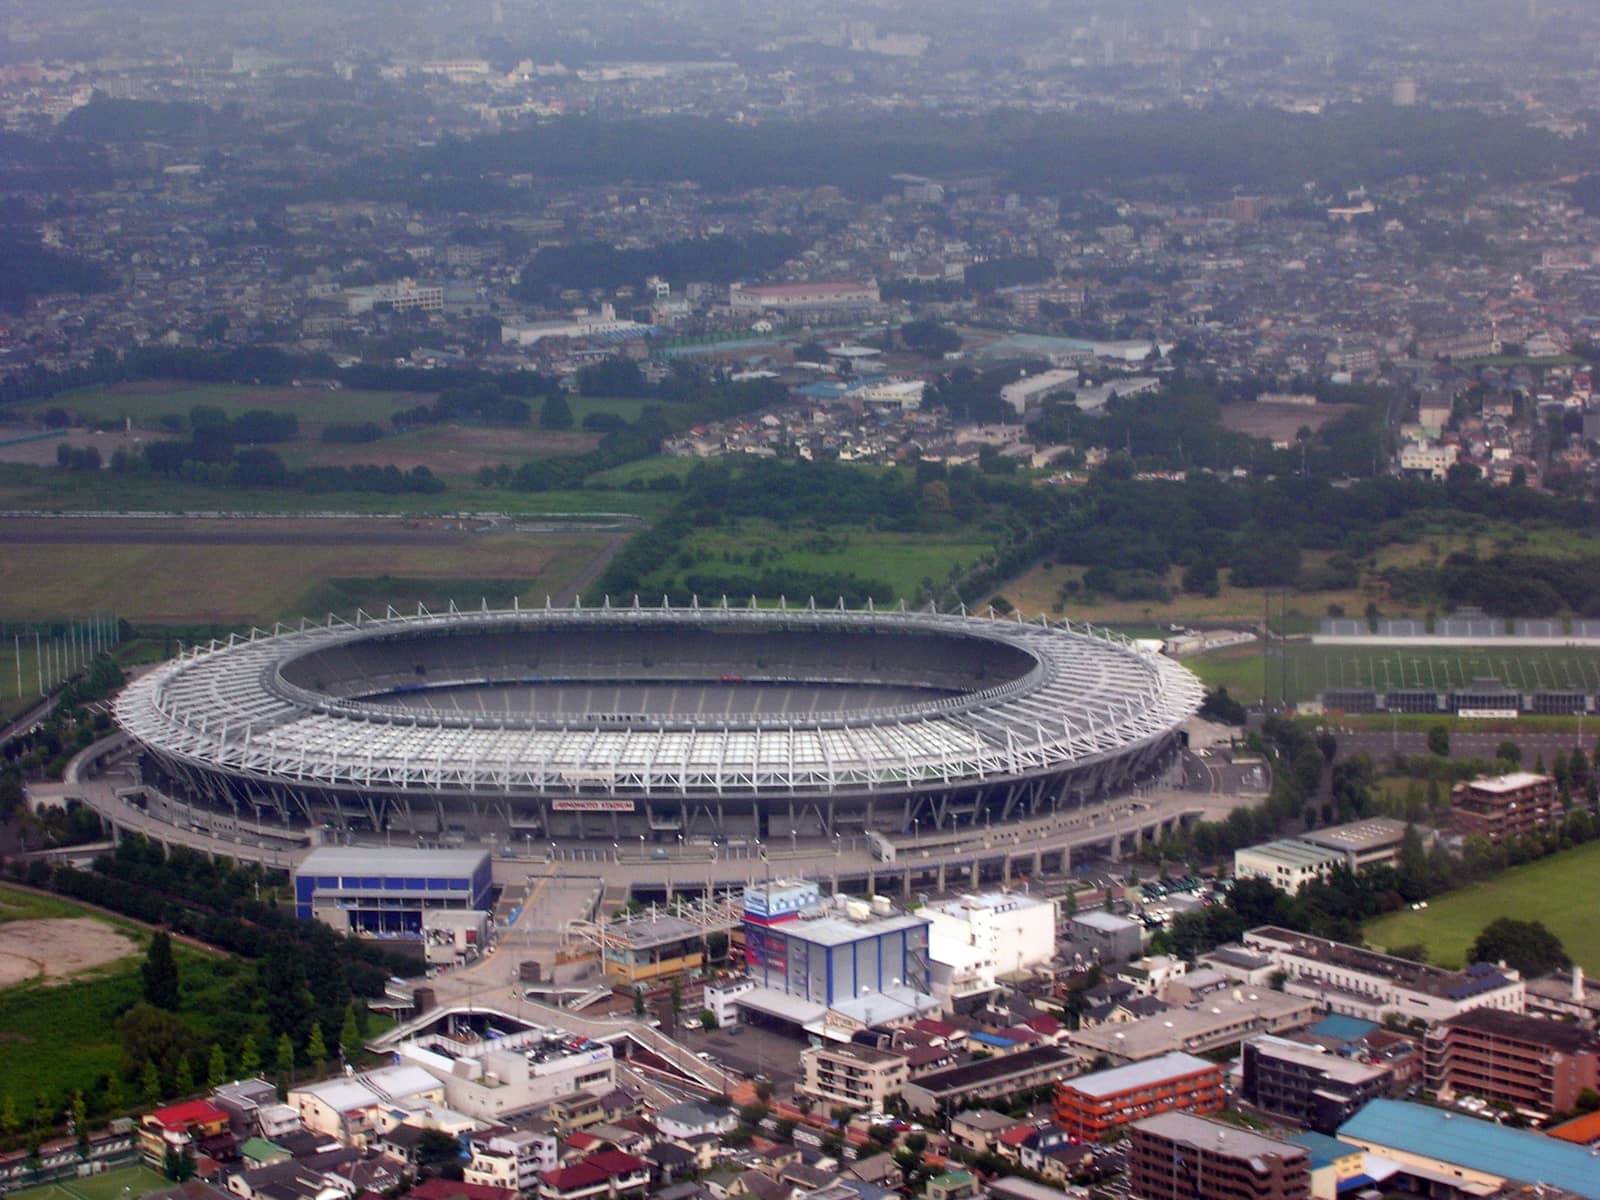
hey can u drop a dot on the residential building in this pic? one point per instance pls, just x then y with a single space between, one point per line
1287 864
952 1185
978 1130
385 892
608 1173
1306 1083
1333 1164
1113 938
694 1118
253 1109
1505 805
349 1107
183 1129
973 939
1217 1021
1538 1066
1429 460
1364 983
853 1075
1179 1156
1468 1153
1091 1106
511 1158
943 1091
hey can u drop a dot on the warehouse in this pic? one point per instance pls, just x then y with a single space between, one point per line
384 893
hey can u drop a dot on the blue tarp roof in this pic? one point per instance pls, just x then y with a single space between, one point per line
1346 1029
1463 1141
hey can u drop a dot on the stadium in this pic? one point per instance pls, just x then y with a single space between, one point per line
660 723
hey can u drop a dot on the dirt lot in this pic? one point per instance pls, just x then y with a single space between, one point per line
57 948
1280 422
450 451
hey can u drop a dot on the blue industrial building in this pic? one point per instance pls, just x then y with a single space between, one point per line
383 892
832 954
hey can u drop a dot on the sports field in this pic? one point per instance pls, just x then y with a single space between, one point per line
124 1183
1311 669
1558 890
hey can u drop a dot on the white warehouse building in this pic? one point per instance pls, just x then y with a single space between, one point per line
974 939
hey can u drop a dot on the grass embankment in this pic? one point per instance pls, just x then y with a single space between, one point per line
1559 891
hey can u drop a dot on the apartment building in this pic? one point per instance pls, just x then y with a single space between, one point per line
1179 1156
1091 1106
1538 1066
1505 805
852 1075
1308 1084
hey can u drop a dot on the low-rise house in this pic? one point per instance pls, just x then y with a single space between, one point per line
608 1173
693 1118
183 1129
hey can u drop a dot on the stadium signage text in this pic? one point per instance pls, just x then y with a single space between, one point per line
616 806
1487 714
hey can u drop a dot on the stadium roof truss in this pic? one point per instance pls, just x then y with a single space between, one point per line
1092 694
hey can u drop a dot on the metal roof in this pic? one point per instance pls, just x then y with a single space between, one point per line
1090 696
384 862
1462 1141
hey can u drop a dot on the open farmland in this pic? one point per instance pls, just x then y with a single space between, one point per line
257 571
1557 891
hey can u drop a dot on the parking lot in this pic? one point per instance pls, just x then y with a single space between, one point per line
751 1051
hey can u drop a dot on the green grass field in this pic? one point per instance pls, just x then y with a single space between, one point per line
124 1183
901 560
146 403
1558 891
199 575
1312 670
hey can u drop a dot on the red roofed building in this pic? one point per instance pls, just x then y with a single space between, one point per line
606 1173
181 1128
451 1189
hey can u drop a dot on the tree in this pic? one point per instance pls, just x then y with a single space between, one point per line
708 1020
1439 740
111 1097
435 1148
316 1047
80 1123
283 1060
9 1121
249 1056
638 1001
677 997
216 1067
1525 946
160 974
177 1167
1508 752
151 1083
184 1083
555 412
349 1034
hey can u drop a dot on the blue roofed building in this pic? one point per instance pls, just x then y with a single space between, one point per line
1450 1145
1345 1029
1336 1167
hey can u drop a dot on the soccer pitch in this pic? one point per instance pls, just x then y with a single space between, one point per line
123 1183
1310 670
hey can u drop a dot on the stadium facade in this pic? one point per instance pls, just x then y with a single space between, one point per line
715 722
